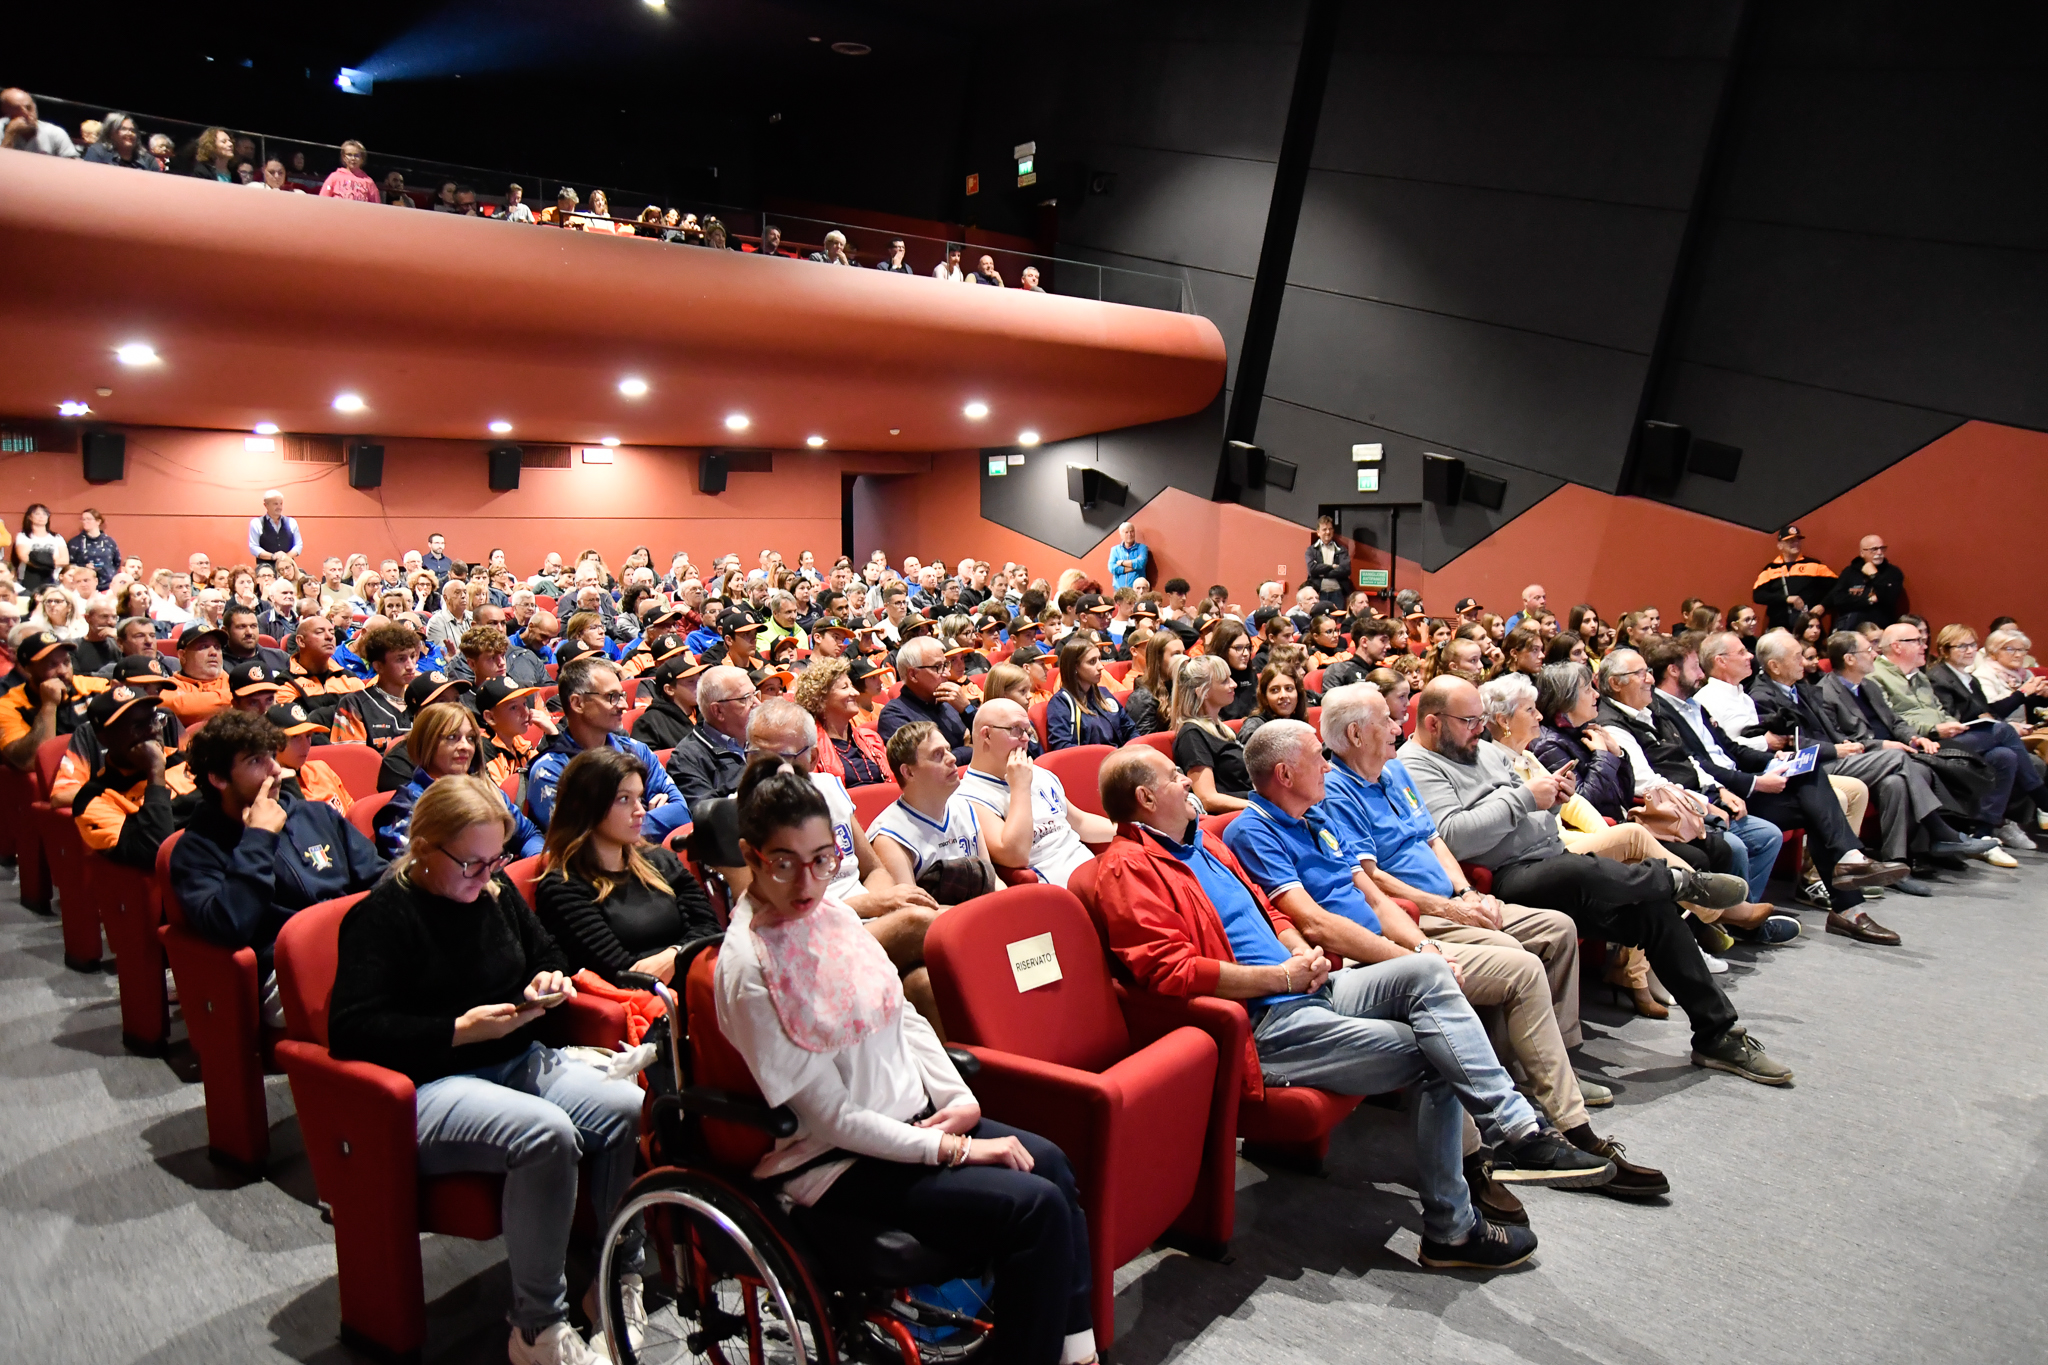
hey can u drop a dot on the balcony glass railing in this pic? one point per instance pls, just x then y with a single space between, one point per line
425 183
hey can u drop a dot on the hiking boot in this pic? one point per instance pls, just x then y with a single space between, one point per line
1715 890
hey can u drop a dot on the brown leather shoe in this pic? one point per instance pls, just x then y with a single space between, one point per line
1748 915
1495 1201
1630 1180
1861 927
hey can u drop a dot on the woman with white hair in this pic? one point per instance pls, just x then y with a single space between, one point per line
59 611
835 250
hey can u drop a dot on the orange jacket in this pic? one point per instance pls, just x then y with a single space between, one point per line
193 702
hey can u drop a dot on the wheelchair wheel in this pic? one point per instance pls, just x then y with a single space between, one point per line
721 1284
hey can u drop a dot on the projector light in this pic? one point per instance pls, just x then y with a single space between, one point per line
976 410
500 428
633 388
814 441
136 353
737 421
71 407
348 402
609 441
1027 438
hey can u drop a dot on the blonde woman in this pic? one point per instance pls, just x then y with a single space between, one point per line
445 741
1204 747
59 612
442 971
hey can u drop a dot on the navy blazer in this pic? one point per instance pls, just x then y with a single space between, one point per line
1738 779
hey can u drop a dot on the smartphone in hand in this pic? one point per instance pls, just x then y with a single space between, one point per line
546 1002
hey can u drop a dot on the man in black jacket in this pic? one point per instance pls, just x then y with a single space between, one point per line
1870 588
929 695
709 759
238 623
671 710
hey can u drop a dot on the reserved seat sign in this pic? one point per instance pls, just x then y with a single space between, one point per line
1034 963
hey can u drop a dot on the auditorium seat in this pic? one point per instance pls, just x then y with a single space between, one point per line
355 764
363 813
129 903
1078 770
64 858
871 800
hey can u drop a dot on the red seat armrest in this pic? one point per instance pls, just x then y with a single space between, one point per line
586 1021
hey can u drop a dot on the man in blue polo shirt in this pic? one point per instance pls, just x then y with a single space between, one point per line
1379 816
1289 848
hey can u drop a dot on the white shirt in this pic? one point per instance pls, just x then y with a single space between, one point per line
167 609
1645 775
945 271
840 806
955 836
1733 709
1056 850
859 1099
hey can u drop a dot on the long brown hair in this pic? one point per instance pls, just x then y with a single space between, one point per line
1155 678
583 798
436 723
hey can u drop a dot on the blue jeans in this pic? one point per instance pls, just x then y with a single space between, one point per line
2000 746
531 1120
1754 844
1374 1029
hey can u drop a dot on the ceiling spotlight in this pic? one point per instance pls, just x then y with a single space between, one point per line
500 428
265 428
852 49
655 4
104 393
1027 438
895 431
814 441
348 402
71 407
976 410
609 441
737 421
633 388
136 353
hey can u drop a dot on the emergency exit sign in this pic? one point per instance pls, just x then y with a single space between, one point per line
1372 578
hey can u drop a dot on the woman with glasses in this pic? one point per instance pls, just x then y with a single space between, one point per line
1962 694
2005 667
445 742
442 970
887 1132
614 902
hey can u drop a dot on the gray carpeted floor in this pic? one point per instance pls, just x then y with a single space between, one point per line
1888 1207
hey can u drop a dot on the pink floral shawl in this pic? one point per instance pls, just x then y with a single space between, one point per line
830 982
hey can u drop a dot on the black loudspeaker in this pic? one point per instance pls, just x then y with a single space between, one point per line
1280 473
1091 486
1484 490
1714 460
504 468
1660 459
711 472
365 465
1247 464
106 456
1443 479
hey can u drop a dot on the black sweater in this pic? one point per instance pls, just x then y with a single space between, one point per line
412 963
635 921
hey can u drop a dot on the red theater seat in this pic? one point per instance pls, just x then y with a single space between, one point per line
130 904
872 800
355 764
1078 770
363 813
64 860
1162 741
19 792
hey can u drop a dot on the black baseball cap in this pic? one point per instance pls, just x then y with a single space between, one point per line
1026 654
198 633
910 627
832 626
733 622
663 616
1090 602
143 669
860 670
1466 604
572 650
117 701
293 720
40 646
1145 610
429 688
247 679
678 666
498 691
1791 532
664 644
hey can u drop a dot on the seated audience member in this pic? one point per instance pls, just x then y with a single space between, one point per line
1568 704
1962 695
279 618
84 756
708 759
1186 921
612 901
1489 816
1903 681
1083 711
929 695
867 1078
441 970
1036 664
306 775
671 696
50 700
200 687
1203 745
480 655
1371 637
830 691
593 713
1280 698
929 835
1026 818
139 795
1317 871
444 742
99 646
1228 641
253 688
378 714
1152 698
537 638
2004 666
508 715
253 856
134 637
240 625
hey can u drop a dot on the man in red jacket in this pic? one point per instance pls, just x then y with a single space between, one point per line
1185 919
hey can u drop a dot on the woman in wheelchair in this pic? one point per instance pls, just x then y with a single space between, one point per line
613 902
441 973
887 1132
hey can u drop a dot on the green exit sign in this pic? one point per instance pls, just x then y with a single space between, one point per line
1372 578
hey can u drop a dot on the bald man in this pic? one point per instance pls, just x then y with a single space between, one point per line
1533 599
1025 815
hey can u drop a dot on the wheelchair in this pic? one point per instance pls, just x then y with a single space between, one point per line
732 1277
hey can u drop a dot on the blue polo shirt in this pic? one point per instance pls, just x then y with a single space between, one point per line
1252 940
1387 822
1279 851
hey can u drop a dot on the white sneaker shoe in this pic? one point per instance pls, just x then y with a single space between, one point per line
2012 836
555 1344
1998 857
631 1306
1715 966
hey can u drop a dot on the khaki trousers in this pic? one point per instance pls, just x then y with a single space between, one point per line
1500 971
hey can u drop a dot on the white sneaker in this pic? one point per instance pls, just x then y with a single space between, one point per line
631 1306
555 1344
1998 857
1715 966
2012 836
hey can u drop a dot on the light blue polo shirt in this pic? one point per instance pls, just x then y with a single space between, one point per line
1387 822
1252 939
1280 851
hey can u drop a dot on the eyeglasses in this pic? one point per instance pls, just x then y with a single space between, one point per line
782 869
476 866
1466 720
744 696
791 754
1624 677
608 698
1966 647
1016 732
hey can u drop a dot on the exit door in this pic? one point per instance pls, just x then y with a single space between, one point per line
1372 532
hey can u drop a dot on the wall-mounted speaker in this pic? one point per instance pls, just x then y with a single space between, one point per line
1714 460
365 465
1484 490
1660 459
106 456
1089 487
1280 473
1443 479
1246 464
711 472
504 468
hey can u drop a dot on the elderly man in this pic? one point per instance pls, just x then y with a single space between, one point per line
1187 922
1533 599
1791 583
594 714
1026 817
928 694
1488 816
709 759
99 649
1902 677
1870 588
1130 559
1322 881
1028 280
21 130
274 533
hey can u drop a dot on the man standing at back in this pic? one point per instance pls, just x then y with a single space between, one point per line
1871 588
274 533
1130 559
1791 583
1533 599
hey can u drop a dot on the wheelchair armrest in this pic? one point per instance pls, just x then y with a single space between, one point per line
706 1102
964 1062
635 981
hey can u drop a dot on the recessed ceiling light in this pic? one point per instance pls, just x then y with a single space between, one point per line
737 421
104 393
895 431
633 388
1027 438
136 353
655 4
814 441
609 441
265 428
348 402
976 410
500 428
71 407
852 49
